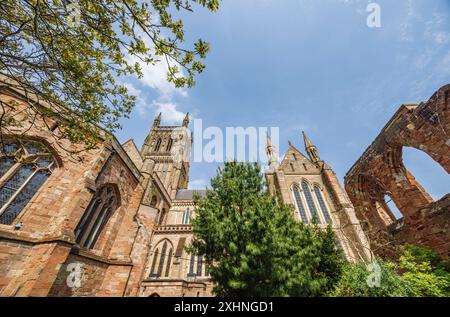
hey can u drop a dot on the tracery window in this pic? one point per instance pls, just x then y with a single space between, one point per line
300 208
323 206
310 202
100 209
169 145
158 144
162 260
25 165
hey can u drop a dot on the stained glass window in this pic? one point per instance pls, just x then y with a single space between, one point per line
24 167
322 205
310 201
300 207
100 209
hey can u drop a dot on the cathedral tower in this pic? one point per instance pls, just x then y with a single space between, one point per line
166 154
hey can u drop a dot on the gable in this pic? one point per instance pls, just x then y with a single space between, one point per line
296 162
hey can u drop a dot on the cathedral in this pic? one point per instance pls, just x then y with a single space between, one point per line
115 220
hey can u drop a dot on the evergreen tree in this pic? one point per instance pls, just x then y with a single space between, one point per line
253 244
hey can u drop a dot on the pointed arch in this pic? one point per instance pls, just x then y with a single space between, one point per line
310 201
25 165
162 260
323 206
298 202
169 145
104 203
158 144
431 176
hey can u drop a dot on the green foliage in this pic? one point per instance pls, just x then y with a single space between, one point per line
72 54
353 282
253 244
418 273
424 269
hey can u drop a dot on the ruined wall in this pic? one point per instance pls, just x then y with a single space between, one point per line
380 173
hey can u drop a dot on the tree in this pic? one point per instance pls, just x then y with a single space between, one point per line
419 272
70 54
252 243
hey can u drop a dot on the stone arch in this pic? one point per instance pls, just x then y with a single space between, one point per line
154 201
395 180
161 259
433 167
105 202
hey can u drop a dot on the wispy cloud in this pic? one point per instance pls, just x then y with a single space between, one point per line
154 80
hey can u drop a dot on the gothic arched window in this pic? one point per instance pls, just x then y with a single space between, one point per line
24 167
158 144
162 260
323 206
154 201
100 209
309 200
169 145
186 217
299 203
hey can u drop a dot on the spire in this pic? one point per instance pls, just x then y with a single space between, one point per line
311 149
186 120
307 141
272 154
157 121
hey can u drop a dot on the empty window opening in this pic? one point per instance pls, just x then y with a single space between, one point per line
427 172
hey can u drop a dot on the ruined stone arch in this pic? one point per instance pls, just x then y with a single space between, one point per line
430 162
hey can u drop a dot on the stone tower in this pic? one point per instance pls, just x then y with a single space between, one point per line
311 187
166 154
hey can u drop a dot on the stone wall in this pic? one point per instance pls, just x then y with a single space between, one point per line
34 256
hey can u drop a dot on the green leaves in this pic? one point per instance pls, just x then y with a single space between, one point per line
77 65
253 244
413 276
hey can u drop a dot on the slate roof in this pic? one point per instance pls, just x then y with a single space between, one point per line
188 194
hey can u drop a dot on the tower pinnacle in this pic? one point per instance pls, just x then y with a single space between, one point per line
272 154
311 149
186 120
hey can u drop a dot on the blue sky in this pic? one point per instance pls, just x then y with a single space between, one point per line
310 65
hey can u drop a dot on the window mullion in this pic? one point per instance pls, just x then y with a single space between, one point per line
11 199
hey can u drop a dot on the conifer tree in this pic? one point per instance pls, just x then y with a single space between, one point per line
254 246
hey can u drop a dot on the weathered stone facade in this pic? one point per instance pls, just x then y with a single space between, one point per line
380 173
311 187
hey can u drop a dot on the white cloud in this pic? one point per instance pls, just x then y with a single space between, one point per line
170 114
154 77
